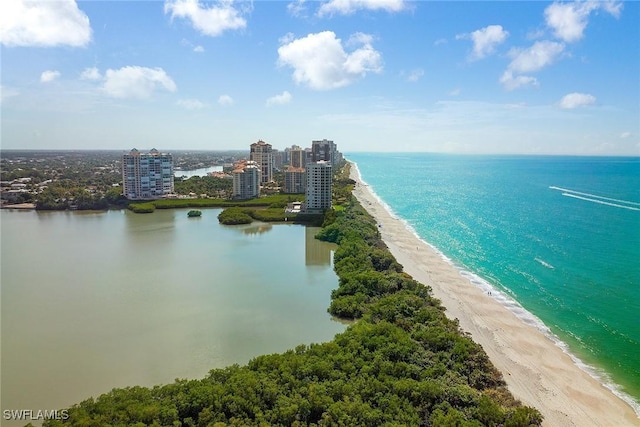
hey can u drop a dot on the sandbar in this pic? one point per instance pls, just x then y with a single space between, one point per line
537 371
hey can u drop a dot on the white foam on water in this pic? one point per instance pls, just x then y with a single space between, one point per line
544 263
530 319
597 199
602 202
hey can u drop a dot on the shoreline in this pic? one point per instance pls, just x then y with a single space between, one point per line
538 372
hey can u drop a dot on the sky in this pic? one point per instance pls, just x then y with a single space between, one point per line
502 77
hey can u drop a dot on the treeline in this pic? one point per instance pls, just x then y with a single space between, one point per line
240 215
401 363
210 186
61 197
273 201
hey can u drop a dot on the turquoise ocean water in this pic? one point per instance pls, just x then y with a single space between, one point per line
557 238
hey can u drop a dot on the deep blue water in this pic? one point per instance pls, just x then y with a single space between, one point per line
559 235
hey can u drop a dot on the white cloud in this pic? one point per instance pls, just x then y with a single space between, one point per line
320 61
511 82
297 8
485 40
136 82
575 100
43 24
413 75
198 49
348 7
613 7
210 21
191 104
625 135
283 98
49 76
569 20
536 57
225 100
90 74
455 92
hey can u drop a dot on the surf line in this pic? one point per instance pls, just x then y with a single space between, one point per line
566 190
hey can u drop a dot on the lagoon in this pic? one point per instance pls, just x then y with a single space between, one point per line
94 301
186 174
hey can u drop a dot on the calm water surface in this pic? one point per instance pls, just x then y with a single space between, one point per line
93 301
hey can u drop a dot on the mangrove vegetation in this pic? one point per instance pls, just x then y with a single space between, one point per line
401 362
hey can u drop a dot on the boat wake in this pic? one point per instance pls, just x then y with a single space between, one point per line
544 263
617 203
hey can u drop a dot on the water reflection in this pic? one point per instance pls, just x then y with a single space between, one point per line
316 252
257 229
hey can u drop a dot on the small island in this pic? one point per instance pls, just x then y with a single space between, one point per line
194 213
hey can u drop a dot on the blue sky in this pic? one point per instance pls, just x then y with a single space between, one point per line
372 75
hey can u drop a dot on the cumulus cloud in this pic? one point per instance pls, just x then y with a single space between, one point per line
136 82
532 59
485 40
191 104
348 7
536 57
575 100
320 61
210 21
284 98
225 100
91 73
43 24
569 20
49 76
198 49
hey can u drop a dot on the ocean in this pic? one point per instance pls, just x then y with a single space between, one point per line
556 239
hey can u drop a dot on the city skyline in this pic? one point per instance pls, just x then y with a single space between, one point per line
383 75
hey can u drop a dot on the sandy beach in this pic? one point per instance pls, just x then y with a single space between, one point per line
536 370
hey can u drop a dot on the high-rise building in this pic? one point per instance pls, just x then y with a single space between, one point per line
324 150
295 180
318 194
147 175
246 180
297 157
278 160
262 154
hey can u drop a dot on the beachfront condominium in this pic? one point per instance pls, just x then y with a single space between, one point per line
262 154
246 180
147 176
297 157
318 192
325 150
295 180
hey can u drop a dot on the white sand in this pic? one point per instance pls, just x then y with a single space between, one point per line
536 370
